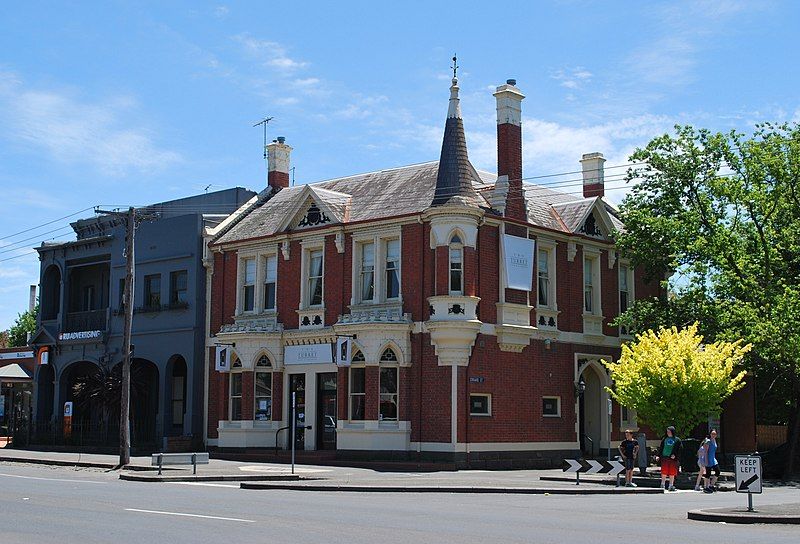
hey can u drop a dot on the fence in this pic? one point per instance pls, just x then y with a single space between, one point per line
771 436
144 436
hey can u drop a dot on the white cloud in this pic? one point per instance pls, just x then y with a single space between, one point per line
71 130
572 78
221 12
268 53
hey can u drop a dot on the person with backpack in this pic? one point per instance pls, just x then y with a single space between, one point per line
669 454
711 464
702 456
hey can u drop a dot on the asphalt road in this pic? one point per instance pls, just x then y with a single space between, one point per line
42 504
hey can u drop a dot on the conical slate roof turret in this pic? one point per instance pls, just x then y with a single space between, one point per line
456 175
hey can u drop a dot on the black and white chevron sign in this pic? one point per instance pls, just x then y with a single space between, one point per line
590 466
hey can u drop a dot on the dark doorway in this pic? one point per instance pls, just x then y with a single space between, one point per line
326 411
297 389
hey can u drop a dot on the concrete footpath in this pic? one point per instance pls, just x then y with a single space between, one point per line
272 476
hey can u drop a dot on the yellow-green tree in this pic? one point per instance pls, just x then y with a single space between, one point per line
672 378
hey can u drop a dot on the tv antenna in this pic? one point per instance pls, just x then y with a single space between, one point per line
265 121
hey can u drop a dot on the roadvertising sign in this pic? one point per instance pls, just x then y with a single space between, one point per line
748 473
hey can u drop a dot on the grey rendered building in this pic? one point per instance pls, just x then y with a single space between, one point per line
80 323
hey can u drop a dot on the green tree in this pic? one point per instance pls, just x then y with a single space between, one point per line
672 378
722 213
25 323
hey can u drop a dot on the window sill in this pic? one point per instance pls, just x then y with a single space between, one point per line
481 415
551 415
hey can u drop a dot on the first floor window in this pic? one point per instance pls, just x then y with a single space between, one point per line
263 390
388 400
249 285
480 404
236 396
367 272
357 393
179 288
456 266
152 291
315 269
270 281
392 269
544 278
551 406
588 286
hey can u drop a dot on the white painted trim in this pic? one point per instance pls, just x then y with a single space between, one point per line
494 446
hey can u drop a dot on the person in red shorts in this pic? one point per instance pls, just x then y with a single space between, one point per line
669 453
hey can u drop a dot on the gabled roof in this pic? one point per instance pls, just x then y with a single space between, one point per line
574 215
373 195
14 372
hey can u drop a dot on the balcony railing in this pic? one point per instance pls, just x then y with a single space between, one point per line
94 320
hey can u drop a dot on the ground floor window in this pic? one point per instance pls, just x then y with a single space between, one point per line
551 406
263 390
236 396
480 404
357 393
388 400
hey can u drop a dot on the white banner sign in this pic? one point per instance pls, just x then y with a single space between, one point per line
222 364
519 262
17 355
82 335
313 354
344 351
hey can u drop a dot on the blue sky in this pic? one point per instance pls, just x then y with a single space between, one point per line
116 103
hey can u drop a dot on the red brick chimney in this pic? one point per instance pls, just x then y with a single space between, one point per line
509 146
593 183
278 163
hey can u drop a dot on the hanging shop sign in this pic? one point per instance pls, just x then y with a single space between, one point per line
312 354
344 351
518 254
222 364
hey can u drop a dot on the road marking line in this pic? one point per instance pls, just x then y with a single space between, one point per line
52 479
183 514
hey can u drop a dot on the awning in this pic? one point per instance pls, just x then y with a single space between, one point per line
14 373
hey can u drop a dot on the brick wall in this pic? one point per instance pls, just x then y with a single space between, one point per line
289 277
277 396
335 297
609 293
488 272
430 408
509 163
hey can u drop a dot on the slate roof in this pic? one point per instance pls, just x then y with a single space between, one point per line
455 176
395 192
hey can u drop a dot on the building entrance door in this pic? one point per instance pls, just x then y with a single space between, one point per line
326 411
297 386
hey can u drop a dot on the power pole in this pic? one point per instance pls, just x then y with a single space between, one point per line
125 404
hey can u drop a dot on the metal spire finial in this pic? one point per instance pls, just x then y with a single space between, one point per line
455 66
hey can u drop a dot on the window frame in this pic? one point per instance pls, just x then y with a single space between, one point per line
308 253
174 297
265 259
263 369
558 405
630 278
361 271
351 395
381 268
488 397
181 400
389 363
591 258
149 293
246 285
456 244
396 268
236 371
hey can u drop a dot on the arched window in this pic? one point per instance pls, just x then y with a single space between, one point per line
263 390
456 265
389 386
357 385
235 397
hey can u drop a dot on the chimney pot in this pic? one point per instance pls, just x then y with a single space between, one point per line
281 139
511 82
278 163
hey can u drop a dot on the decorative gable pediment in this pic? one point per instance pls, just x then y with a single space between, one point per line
586 217
315 207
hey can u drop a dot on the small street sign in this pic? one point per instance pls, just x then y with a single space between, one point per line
590 466
748 473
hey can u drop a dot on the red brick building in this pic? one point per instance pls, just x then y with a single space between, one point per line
453 357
